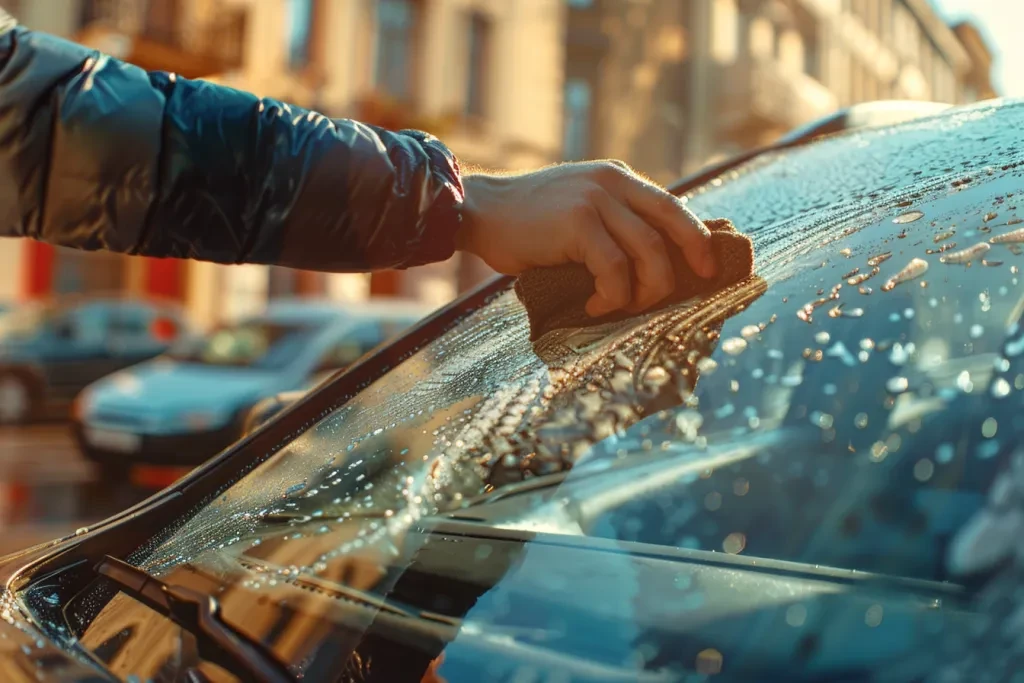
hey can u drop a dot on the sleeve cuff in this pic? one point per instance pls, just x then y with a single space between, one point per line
443 218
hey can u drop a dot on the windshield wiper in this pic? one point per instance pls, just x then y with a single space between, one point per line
199 614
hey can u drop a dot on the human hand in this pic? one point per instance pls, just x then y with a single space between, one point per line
600 214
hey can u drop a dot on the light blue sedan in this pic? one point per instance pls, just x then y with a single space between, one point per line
183 407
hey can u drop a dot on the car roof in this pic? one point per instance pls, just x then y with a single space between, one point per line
290 311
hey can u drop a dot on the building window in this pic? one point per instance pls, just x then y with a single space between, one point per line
578 106
479 65
792 56
762 37
300 23
724 34
396 35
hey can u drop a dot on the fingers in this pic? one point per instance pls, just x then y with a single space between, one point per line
608 264
645 246
669 216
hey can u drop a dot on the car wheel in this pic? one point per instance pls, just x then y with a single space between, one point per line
16 399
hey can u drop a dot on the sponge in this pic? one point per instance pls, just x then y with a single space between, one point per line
556 297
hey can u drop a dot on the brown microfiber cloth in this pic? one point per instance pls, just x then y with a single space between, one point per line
556 297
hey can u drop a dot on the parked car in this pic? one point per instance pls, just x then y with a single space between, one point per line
50 351
188 404
813 475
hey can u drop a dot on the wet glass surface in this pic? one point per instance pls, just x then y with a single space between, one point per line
783 481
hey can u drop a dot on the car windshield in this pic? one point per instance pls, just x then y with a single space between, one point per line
254 344
778 482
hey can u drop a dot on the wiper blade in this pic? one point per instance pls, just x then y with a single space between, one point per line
199 614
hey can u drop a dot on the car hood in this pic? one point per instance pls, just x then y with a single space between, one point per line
27 656
164 388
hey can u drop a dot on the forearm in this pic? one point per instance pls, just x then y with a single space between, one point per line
100 154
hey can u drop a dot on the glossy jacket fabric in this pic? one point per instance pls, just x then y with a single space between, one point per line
99 154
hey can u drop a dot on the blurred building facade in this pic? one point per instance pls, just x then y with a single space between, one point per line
486 75
669 86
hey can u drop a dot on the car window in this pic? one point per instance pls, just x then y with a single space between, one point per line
352 344
86 325
130 321
257 344
849 407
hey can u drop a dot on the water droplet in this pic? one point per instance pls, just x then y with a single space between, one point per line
977 331
880 259
860 421
713 501
1012 237
942 236
709 662
944 453
989 216
740 487
916 268
656 377
1000 388
897 385
966 255
750 331
845 252
857 279
908 217
734 543
879 451
963 381
822 337
707 365
734 346
796 615
989 427
873 616
823 420
81 531
924 469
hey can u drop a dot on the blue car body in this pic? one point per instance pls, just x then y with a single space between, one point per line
181 408
50 351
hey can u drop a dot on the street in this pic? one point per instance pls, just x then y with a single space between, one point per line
48 490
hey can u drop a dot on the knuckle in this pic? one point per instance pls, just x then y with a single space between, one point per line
651 242
583 213
593 194
617 262
610 172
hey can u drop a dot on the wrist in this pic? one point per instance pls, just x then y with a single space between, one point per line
475 188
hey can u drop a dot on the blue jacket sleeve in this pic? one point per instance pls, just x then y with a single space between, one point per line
99 154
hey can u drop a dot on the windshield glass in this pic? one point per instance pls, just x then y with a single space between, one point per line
780 482
254 344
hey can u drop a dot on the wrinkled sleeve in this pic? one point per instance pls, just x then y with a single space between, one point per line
99 154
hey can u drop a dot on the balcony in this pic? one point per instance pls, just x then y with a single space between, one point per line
194 49
757 96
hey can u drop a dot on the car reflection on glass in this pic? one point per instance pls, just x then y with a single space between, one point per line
187 405
50 351
814 475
